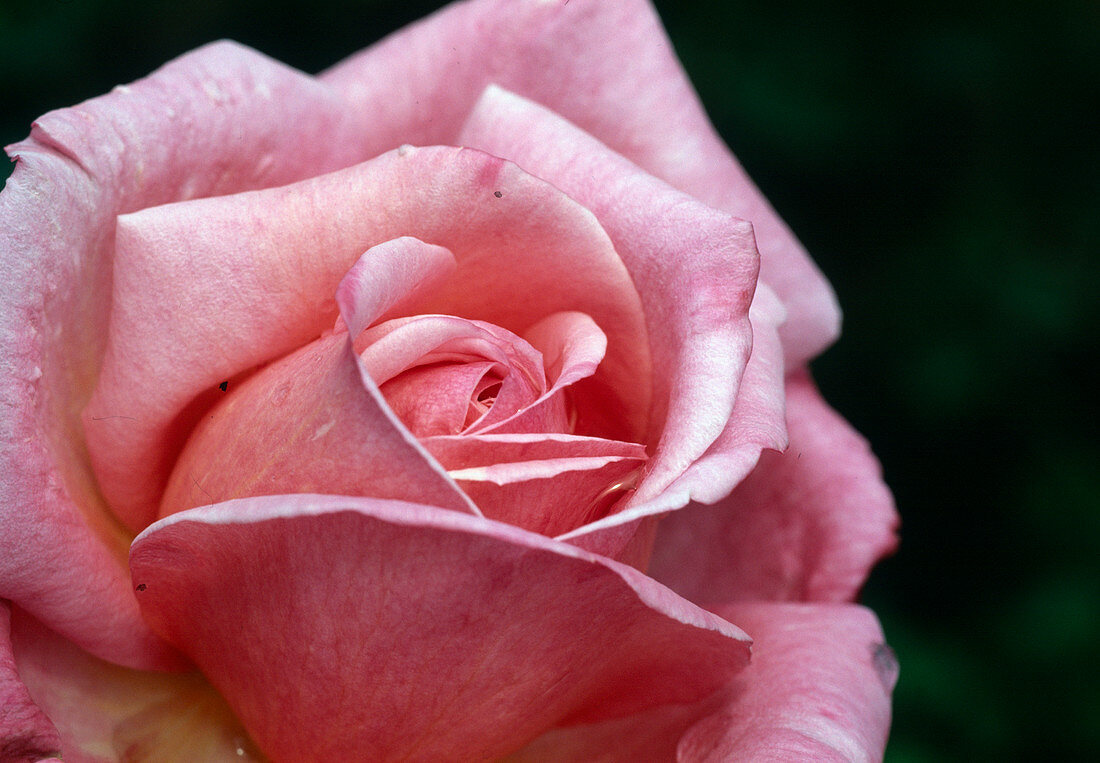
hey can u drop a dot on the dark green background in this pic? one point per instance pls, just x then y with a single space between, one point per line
941 164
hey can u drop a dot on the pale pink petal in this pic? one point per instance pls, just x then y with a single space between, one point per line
219 120
757 424
253 276
547 484
389 275
806 525
818 688
106 713
309 422
26 735
609 68
694 267
405 630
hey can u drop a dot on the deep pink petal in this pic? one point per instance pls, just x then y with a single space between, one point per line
418 85
818 688
806 525
456 637
25 733
547 484
694 267
389 275
107 713
218 120
228 262
311 421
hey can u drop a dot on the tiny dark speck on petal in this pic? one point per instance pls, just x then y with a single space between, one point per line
141 586
498 194
886 665
224 385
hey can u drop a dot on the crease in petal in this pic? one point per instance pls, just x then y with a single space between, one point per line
450 628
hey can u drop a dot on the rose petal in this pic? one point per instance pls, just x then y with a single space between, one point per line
806 525
25 733
694 267
458 637
227 260
418 85
219 120
109 713
649 736
572 346
393 347
818 688
311 421
388 275
436 399
547 484
756 424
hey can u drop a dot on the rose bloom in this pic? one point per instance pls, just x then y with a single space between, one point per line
451 404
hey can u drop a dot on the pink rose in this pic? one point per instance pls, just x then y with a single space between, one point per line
319 445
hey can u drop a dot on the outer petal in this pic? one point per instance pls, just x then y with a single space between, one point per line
818 688
106 713
25 733
401 631
228 261
694 267
609 68
806 525
218 120
311 421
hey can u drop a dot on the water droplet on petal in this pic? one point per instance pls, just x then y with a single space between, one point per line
606 500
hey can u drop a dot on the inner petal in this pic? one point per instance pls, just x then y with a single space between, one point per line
443 398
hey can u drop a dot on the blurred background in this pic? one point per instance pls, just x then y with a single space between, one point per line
941 163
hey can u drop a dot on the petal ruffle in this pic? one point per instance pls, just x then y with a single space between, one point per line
229 261
26 735
818 688
219 120
106 713
806 525
458 638
418 85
